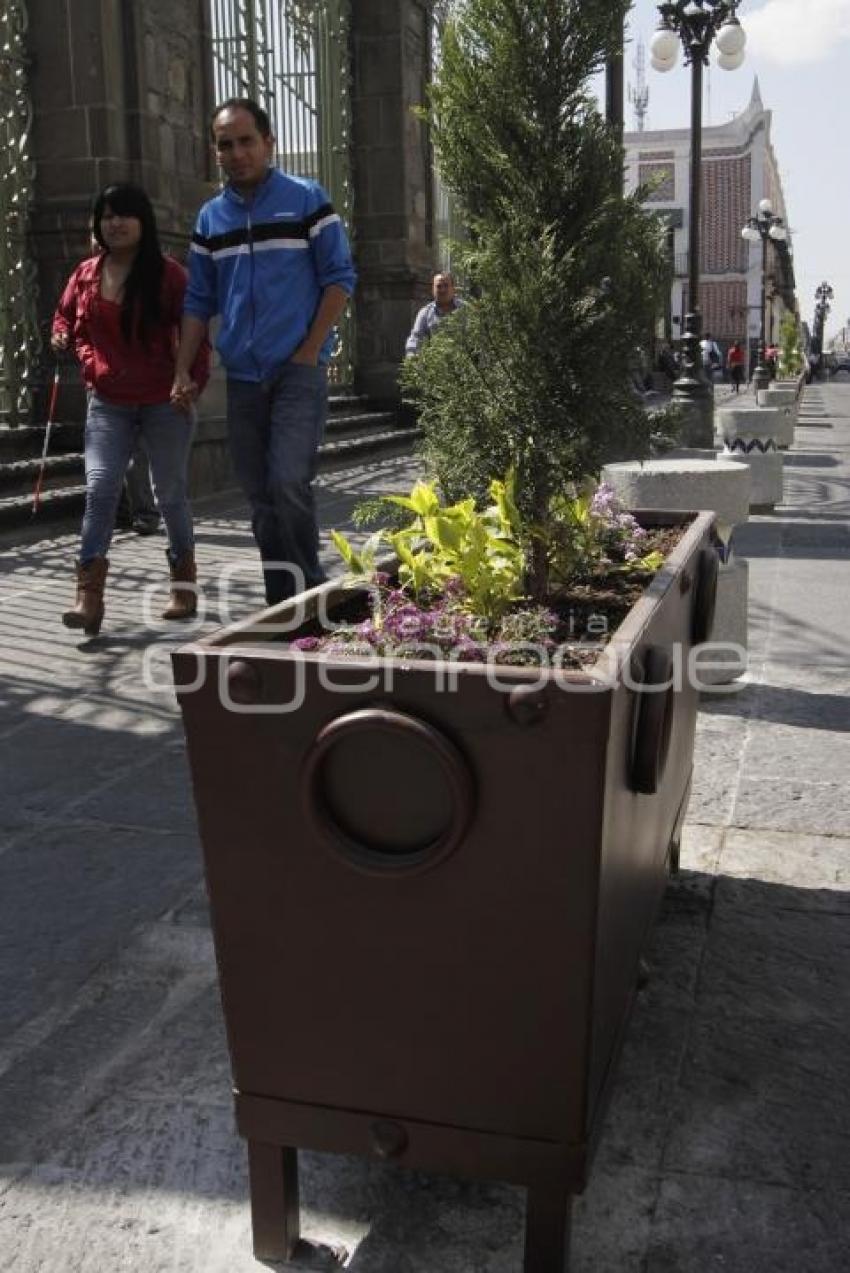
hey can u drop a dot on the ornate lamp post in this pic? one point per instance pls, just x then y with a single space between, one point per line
761 229
823 295
695 24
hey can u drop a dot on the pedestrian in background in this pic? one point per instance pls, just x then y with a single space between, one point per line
444 302
735 360
710 356
120 314
271 257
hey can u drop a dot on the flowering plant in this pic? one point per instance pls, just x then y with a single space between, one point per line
461 588
438 627
477 553
589 532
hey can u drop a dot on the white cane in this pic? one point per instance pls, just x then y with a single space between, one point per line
36 496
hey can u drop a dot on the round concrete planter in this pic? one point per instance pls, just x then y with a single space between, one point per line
784 400
755 429
778 395
766 477
683 484
694 484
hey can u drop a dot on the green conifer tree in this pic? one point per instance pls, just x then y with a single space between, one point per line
565 270
790 354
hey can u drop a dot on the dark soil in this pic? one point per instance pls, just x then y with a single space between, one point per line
592 609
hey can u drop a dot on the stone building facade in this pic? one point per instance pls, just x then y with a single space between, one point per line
124 91
739 168
393 176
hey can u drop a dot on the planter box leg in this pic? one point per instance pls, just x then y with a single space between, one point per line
273 1172
547 1231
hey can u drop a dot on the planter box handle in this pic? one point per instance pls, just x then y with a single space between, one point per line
354 810
654 720
705 596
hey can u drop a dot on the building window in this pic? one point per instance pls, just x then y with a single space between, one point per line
660 181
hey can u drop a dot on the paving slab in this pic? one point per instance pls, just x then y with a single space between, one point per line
817 867
703 1224
757 1100
72 896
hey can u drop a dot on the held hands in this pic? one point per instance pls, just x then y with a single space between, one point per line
184 391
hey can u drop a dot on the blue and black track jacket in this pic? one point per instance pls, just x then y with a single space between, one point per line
263 266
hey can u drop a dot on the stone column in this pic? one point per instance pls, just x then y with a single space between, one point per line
393 214
120 92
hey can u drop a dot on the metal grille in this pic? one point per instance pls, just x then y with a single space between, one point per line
449 228
292 56
19 335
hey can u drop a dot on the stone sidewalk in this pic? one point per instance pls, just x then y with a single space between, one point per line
727 1146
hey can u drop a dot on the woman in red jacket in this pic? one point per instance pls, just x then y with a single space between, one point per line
735 360
120 313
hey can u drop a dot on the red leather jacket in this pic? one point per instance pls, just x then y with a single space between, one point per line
119 370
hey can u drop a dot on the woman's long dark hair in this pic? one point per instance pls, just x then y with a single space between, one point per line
141 308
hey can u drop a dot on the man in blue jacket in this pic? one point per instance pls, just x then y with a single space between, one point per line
271 257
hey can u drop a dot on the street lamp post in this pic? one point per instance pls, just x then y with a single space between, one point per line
695 24
823 295
763 228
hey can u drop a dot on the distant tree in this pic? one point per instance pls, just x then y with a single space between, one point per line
790 353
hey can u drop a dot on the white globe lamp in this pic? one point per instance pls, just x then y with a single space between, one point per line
730 61
664 47
731 38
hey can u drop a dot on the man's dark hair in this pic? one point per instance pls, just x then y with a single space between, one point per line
261 118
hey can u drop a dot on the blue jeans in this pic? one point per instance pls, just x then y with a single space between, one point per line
113 430
275 429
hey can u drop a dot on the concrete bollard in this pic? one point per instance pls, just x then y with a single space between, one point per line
784 398
749 437
728 660
772 422
683 485
766 470
778 395
691 484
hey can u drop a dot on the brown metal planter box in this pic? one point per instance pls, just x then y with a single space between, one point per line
429 904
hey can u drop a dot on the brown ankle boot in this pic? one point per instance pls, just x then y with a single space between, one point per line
183 603
87 611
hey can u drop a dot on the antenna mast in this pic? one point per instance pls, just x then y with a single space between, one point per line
639 91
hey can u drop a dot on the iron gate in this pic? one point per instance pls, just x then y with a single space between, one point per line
292 56
19 334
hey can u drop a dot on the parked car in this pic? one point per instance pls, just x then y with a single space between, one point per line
840 361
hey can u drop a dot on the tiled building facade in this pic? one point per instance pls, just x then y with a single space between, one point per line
739 168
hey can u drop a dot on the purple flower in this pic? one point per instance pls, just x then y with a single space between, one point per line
468 651
308 643
604 499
